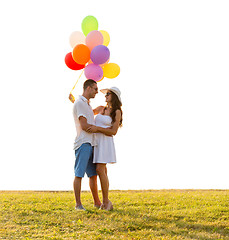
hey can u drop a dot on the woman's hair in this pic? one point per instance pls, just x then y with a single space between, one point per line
116 105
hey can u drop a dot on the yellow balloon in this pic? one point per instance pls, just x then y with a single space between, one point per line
111 70
106 37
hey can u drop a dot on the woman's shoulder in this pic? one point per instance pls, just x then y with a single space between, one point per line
118 111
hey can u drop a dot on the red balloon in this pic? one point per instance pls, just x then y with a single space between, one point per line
71 63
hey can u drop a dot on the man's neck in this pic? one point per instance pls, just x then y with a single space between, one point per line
86 96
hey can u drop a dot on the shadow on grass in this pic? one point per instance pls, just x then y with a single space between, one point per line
179 227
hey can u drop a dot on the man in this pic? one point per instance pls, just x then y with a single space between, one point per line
84 142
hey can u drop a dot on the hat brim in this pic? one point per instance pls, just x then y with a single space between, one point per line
105 90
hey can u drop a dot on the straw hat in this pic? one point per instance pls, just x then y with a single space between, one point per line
115 90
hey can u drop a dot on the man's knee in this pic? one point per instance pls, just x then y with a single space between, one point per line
93 178
77 179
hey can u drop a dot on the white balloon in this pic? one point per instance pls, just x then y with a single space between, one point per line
76 38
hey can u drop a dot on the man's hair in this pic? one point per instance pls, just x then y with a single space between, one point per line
88 83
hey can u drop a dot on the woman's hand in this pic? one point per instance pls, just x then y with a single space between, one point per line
98 110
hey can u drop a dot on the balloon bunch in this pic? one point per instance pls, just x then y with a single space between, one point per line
90 52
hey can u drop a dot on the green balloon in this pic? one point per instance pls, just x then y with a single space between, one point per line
89 24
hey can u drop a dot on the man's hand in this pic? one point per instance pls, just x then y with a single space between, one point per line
92 129
71 98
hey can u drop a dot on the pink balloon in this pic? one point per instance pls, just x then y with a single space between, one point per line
94 38
100 54
93 71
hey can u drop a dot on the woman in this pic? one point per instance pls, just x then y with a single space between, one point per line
108 120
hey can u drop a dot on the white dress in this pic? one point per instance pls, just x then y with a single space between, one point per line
104 152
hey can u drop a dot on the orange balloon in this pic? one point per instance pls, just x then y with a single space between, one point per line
81 54
101 79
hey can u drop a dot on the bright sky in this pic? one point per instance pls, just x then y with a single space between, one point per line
174 58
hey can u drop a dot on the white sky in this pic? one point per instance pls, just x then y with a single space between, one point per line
174 58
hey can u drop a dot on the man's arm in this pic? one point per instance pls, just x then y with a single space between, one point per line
107 131
84 125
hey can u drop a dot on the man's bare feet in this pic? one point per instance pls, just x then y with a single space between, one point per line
80 208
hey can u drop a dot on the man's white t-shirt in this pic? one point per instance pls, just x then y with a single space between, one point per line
82 108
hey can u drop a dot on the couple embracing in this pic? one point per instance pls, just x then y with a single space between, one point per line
94 146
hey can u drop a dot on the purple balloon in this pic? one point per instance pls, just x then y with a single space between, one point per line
93 71
100 54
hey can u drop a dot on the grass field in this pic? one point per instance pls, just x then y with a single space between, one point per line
162 214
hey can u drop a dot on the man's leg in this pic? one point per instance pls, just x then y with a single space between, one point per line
83 154
77 190
91 173
94 190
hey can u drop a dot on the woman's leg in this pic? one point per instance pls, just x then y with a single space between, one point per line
107 176
102 172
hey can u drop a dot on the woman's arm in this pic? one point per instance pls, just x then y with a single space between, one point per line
98 110
112 130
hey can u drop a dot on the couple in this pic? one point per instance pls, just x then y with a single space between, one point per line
94 146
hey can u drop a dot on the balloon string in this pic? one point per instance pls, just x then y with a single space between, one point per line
77 81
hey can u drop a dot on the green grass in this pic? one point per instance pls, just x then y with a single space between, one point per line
163 214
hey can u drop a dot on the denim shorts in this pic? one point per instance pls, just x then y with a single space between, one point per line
84 161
